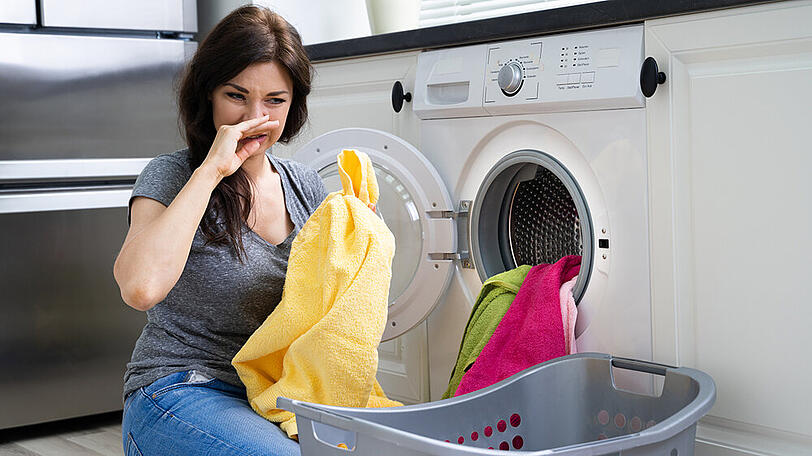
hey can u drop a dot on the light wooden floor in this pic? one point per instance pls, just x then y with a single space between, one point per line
97 435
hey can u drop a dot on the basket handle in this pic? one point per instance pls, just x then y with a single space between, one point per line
641 366
680 420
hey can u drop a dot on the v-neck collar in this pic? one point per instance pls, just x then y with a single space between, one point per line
287 189
287 193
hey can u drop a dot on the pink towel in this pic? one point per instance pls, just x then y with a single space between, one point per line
531 331
569 313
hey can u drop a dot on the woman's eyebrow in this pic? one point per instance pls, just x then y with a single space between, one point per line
241 89
244 90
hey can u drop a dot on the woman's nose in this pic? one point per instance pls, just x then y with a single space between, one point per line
256 110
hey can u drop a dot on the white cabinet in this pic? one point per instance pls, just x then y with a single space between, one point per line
357 93
731 218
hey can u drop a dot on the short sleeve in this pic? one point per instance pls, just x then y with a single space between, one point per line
161 180
317 187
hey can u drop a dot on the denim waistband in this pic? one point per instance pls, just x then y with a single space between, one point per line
191 377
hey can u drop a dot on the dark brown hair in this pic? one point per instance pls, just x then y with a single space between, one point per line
248 35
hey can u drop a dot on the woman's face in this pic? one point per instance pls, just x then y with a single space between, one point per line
260 89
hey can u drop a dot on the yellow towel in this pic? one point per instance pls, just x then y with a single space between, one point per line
320 344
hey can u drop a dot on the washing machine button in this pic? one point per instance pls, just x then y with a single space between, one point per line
510 78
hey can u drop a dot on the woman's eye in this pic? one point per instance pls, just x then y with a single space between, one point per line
235 96
276 100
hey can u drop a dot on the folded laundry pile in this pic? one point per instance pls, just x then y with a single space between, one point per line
538 325
320 343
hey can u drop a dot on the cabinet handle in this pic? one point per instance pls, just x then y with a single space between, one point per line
650 77
398 96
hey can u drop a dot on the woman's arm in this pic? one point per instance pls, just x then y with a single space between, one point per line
159 239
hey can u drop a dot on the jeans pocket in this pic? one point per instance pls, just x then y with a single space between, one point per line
192 378
132 448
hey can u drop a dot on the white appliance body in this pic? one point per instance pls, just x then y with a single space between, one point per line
572 118
605 153
580 104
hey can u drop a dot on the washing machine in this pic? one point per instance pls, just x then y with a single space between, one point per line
531 149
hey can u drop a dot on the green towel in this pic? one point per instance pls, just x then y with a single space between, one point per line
493 302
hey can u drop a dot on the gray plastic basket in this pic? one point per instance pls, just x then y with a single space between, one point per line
566 406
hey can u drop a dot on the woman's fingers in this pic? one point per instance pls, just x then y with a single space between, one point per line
248 127
266 126
248 124
230 142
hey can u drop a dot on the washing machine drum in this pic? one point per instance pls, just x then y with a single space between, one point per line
530 210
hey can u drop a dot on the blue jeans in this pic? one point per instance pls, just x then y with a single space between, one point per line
188 414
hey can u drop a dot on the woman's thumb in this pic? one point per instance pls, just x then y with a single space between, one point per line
248 149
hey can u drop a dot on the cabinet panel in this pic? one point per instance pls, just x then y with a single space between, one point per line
358 93
731 212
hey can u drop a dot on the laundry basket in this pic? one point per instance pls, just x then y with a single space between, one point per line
566 406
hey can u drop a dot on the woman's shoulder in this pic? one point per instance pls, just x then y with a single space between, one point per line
164 176
173 166
177 161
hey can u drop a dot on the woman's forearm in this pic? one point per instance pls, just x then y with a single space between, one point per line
151 262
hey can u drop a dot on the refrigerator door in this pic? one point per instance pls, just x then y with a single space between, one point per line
18 12
158 15
88 96
65 334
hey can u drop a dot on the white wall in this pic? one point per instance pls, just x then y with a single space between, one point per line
323 20
316 20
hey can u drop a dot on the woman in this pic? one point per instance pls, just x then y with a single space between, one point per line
210 233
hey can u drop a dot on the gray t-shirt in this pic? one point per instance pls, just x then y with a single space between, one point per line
218 301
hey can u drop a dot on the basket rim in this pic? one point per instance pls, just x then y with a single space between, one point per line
684 418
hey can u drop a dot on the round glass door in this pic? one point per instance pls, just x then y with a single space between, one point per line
415 205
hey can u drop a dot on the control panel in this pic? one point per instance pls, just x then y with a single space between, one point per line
597 69
575 59
513 70
570 71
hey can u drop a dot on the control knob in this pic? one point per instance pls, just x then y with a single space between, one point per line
511 77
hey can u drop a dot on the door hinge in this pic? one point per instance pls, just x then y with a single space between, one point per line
462 222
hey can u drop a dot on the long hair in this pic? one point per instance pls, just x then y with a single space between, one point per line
248 35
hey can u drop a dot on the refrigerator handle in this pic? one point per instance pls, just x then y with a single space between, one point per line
97 198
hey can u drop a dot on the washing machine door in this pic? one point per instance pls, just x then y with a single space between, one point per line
415 205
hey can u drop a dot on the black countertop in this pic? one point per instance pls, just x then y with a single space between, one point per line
578 17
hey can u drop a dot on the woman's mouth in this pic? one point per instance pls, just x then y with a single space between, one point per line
258 138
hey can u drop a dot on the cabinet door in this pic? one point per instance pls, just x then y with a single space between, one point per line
358 93
731 217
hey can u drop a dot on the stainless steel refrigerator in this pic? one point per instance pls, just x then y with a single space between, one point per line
86 99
